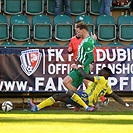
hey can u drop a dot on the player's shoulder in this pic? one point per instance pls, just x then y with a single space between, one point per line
74 37
88 40
100 78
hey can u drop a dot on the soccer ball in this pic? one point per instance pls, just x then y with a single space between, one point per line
7 106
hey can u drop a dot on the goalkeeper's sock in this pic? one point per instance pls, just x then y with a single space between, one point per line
78 100
48 102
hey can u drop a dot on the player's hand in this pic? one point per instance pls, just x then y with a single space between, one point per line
74 66
127 105
77 62
69 50
130 106
106 102
94 36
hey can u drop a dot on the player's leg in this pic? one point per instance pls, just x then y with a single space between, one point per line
73 96
78 100
85 81
32 106
67 81
76 79
59 97
73 80
51 100
76 97
67 98
48 102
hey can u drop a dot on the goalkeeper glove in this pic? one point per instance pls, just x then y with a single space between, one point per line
105 101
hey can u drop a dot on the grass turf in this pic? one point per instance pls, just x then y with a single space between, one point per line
65 121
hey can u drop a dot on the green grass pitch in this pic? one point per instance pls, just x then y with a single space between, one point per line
65 121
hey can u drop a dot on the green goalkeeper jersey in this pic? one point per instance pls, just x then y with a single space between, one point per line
85 52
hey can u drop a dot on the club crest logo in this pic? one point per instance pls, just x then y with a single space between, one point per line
30 60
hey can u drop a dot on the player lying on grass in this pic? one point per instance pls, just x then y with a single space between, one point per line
104 99
87 98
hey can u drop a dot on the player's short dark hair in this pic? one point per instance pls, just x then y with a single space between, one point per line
107 70
82 25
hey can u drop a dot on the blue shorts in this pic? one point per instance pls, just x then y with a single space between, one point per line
83 95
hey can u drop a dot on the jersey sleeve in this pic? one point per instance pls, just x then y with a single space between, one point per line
89 45
88 48
109 90
103 81
90 59
100 79
70 44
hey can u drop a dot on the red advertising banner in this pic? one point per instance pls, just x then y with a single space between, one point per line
43 69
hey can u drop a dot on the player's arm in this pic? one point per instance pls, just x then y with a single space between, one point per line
94 36
69 50
90 59
118 99
86 76
89 53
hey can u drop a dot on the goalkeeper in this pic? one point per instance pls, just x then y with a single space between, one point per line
86 99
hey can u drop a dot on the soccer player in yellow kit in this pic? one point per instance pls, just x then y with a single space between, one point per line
87 98
99 87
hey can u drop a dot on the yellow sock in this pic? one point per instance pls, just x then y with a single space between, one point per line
48 102
78 100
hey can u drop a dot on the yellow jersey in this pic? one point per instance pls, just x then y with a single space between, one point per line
97 88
